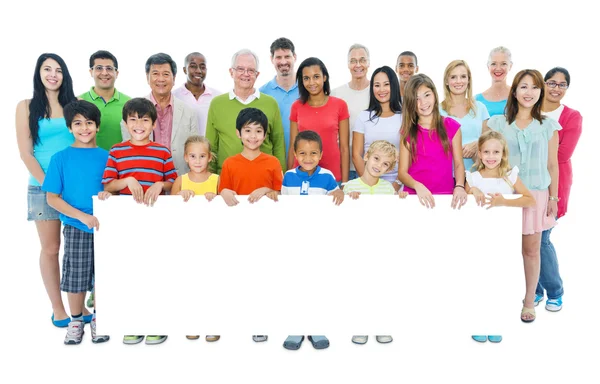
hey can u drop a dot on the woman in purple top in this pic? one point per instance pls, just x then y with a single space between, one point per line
41 132
430 147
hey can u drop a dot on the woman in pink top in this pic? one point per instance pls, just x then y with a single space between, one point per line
315 110
557 81
430 147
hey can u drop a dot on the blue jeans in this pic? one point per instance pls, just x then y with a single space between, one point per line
549 275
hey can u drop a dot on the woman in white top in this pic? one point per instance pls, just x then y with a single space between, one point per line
381 121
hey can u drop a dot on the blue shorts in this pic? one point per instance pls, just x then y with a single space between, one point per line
37 206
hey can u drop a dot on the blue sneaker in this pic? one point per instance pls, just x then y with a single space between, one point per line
494 338
64 323
481 339
538 299
554 305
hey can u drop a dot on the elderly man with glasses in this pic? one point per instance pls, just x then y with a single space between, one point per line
104 69
224 109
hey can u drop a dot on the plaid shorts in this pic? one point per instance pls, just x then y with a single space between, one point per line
78 260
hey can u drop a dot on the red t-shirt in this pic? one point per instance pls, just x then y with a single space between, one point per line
324 120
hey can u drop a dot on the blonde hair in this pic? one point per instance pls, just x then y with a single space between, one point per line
203 140
504 167
387 148
447 103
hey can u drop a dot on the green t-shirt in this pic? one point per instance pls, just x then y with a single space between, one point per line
111 116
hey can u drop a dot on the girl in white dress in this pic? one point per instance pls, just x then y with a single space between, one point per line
492 179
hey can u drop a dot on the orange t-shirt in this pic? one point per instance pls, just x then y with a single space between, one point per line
245 176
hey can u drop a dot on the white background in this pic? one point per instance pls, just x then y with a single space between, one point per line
557 347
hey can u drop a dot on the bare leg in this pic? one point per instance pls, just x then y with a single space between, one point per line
76 302
49 234
531 262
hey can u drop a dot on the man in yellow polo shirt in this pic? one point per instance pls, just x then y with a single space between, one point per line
104 69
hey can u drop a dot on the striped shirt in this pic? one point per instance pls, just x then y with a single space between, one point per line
383 187
147 164
297 182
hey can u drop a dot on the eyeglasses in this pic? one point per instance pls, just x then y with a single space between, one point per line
241 70
100 68
362 60
552 84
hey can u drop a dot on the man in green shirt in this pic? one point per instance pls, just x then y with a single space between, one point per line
224 109
104 71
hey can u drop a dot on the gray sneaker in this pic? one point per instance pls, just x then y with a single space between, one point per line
132 339
152 339
95 338
74 332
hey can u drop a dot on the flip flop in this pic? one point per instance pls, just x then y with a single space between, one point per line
494 338
259 338
479 338
293 342
529 311
360 339
319 342
384 339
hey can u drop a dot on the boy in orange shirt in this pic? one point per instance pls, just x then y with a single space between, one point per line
251 172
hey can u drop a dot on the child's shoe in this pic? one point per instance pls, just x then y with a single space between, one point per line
151 339
212 337
479 338
384 339
259 338
131 339
360 339
192 337
554 305
494 338
97 338
64 323
74 332
538 299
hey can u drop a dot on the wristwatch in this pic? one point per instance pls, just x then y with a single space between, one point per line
553 198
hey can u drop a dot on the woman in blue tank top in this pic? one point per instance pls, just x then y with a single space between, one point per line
494 98
41 132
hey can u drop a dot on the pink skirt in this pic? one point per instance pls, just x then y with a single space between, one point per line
534 218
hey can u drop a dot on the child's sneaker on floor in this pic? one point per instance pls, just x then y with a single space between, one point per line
131 339
74 332
554 305
95 338
538 299
151 339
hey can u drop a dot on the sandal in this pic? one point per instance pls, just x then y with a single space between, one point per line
293 342
319 342
527 311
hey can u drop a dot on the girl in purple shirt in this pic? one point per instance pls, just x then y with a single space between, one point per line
430 147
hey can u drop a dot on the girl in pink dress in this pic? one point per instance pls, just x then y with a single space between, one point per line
431 159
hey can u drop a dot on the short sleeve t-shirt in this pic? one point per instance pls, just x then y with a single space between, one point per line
325 121
245 176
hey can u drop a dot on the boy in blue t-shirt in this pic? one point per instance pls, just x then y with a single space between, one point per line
74 176
308 178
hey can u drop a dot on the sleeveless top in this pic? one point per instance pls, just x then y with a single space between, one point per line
210 185
54 137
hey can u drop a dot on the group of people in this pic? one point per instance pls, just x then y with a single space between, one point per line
387 134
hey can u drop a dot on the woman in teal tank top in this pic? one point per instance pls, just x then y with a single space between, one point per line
494 98
41 132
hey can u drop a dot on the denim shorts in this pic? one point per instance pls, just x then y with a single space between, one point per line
37 207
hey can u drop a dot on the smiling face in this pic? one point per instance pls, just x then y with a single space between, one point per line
308 155
527 93
381 87
252 136
313 79
425 101
84 130
406 67
358 63
458 80
51 75
161 79
378 163
196 70
283 60
139 128
555 95
491 153
244 72
104 73
197 156
499 66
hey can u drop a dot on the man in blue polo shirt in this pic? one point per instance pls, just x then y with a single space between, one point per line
104 69
283 87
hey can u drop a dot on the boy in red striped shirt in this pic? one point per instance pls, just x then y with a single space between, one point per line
139 167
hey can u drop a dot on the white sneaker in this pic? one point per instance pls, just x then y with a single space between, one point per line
95 338
74 332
